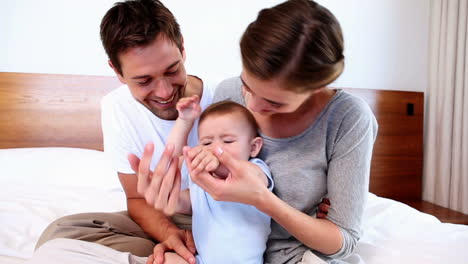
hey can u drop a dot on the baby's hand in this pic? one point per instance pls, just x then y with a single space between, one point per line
205 160
189 108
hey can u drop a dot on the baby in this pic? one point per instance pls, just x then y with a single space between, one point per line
224 232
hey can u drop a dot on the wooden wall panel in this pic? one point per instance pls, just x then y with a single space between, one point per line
397 160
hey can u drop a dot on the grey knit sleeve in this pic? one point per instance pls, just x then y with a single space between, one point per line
229 89
348 171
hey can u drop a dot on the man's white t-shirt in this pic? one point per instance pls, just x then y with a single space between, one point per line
128 126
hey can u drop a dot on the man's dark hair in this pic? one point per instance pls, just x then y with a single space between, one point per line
136 23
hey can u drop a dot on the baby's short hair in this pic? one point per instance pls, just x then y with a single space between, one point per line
229 107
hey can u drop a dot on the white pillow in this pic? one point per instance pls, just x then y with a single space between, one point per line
57 166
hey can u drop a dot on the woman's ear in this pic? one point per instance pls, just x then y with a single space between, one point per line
257 144
121 78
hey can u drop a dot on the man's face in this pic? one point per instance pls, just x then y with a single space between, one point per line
156 76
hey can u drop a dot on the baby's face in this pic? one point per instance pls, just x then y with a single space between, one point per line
232 132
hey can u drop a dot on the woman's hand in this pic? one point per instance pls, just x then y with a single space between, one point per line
160 188
243 184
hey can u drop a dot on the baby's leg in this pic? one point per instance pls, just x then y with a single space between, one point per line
173 258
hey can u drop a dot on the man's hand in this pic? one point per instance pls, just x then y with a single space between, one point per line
181 241
323 207
189 108
160 188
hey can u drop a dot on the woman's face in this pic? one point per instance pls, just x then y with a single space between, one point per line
269 97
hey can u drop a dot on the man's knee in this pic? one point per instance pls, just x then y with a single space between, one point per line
93 227
54 230
114 230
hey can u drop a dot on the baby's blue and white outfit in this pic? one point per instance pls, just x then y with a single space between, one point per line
228 232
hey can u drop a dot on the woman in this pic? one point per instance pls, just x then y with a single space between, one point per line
317 141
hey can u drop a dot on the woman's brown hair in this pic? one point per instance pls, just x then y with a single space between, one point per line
137 23
298 42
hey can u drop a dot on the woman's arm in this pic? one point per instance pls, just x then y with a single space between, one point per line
347 187
319 234
245 186
348 173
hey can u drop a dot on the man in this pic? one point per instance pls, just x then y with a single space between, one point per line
145 48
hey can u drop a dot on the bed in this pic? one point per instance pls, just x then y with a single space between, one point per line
53 165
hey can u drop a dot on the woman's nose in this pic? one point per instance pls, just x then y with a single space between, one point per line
256 104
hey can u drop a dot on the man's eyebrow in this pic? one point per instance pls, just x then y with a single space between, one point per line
140 77
173 64
147 76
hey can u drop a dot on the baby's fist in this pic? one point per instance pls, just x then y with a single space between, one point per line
189 108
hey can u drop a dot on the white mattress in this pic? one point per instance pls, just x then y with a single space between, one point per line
42 184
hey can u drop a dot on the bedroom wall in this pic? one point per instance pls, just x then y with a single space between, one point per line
386 40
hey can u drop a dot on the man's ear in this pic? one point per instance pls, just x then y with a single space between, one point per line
257 144
184 56
182 50
121 79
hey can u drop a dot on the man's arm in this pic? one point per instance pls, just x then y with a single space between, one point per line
143 214
178 240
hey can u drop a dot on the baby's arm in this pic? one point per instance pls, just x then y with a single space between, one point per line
189 110
184 206
263 172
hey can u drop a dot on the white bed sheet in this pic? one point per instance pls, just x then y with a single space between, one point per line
40 185
397 233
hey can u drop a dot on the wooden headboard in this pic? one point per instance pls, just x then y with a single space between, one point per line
51 110
44 110
397 160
